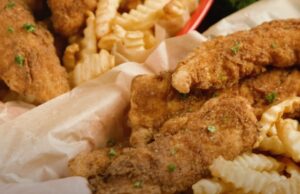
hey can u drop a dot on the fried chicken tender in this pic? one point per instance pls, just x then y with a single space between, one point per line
223 61
267 89
68 16
163 102
177 159
29 65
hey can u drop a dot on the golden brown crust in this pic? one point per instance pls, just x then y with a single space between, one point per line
194 147
68 16
281 83
40 77
153 101
223 61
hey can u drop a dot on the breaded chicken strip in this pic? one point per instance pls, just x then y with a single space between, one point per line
266 89
175 160
29 65
164 104
224 60
68 16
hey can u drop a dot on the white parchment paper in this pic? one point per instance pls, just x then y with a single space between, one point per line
37 145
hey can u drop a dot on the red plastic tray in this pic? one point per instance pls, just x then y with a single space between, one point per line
197 17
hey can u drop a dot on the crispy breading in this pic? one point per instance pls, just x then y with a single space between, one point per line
165 106
173 162
223 61
153 101
29 64
267 89
69 16
91 163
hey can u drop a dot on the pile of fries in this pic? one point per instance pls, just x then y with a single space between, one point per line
120 31
275 171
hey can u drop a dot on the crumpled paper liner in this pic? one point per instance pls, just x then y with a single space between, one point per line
37 145
11 110
71 185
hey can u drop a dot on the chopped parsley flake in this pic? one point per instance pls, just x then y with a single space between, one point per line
271 97
171 167
112 153
138 184
19 59
273 45
10 29
236 47
10 5
223 77
29 27
211 128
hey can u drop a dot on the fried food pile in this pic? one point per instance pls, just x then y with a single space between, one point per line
178 132
50 46
29 63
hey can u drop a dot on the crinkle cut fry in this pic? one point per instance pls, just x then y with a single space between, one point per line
223 61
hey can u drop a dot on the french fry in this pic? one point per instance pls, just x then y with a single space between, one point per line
134 41
208 186
143 17
92 66
190 4
69 58
175 8
174 17
105 13
272 115
89 42
290 137
243 178
108 41
149 39
272 144
288 186
258 162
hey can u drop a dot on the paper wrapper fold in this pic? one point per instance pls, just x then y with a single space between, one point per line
37 145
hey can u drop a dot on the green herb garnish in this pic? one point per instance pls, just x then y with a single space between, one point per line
138 184
10 5
112 153
10 29
273 45
271 97
29 27
211 128
236 47
171 167
19 59
223 77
